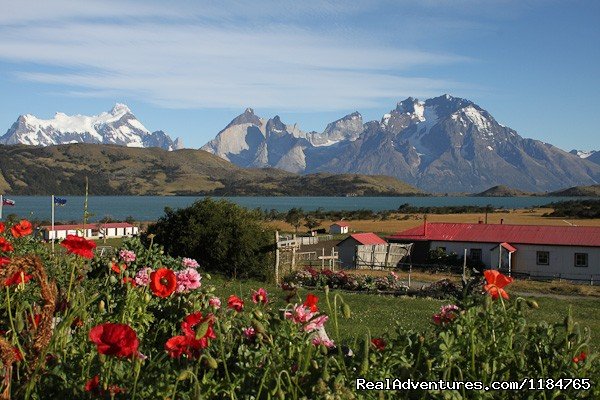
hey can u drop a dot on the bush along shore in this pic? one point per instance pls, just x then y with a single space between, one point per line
144 325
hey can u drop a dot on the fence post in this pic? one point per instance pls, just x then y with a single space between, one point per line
277 257
591 280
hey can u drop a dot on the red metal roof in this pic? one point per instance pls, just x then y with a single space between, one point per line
495 233
88 226
508 247
368 238
341 223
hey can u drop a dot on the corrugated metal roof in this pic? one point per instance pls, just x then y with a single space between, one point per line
368 238
498 233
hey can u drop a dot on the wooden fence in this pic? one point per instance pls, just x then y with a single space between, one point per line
381 256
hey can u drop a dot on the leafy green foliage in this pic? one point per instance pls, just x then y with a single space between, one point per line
222 236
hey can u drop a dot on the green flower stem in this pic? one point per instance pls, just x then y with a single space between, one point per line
137 368
72 277
12 323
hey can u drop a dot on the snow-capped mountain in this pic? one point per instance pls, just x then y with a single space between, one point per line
119 126
583 153
443 144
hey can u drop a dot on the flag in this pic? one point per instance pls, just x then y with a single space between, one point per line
59 201
8 202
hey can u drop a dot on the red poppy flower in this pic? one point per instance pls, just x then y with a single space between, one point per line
79 246
260 296
5 245
2 227
4 261
580 358
129 281
23 228
93 384
115 339
311 302
199 329
118 268
163 282
235 303
17 278
178 346
379 343
496 283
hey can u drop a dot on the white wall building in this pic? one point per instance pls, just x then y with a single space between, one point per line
567 252
92 230
339 228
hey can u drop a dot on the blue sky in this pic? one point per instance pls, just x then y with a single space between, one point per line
189 67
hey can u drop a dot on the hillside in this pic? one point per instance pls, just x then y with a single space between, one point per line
118 170
503 191
583 191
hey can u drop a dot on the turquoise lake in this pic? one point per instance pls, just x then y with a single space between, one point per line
147 208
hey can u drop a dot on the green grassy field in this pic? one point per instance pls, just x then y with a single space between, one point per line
381 314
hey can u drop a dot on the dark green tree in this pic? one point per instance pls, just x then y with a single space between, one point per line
223 237
311 223
294 217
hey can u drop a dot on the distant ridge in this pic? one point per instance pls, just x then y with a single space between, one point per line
581 191
118 170
503 191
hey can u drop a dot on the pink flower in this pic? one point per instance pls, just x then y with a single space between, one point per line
188 279
250 333
300 315
260 296
215 302
316 323
142 277
189 263
325 342
127 255
447 314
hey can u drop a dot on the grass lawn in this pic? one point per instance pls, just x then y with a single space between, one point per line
381 314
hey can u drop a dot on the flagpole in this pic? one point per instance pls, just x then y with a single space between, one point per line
1 204
52 231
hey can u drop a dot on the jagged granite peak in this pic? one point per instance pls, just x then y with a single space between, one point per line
247 117
119 126
442 144
348 127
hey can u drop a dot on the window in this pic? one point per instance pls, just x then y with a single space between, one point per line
543 257
476 254
581 259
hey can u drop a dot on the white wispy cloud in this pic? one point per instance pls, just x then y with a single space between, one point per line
285 55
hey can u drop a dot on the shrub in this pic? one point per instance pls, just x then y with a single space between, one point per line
222 236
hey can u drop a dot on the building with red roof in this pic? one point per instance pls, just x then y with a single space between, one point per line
339 228
570 252
347 247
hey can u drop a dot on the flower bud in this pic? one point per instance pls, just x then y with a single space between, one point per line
112 279
258 327
533 304
346 311
211 362
147 297
257 313
185 375
102 306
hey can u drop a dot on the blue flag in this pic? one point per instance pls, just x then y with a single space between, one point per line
59 201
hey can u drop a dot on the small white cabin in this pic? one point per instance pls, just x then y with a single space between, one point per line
339 228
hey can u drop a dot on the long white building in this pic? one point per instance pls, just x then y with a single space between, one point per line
568 252
92 230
